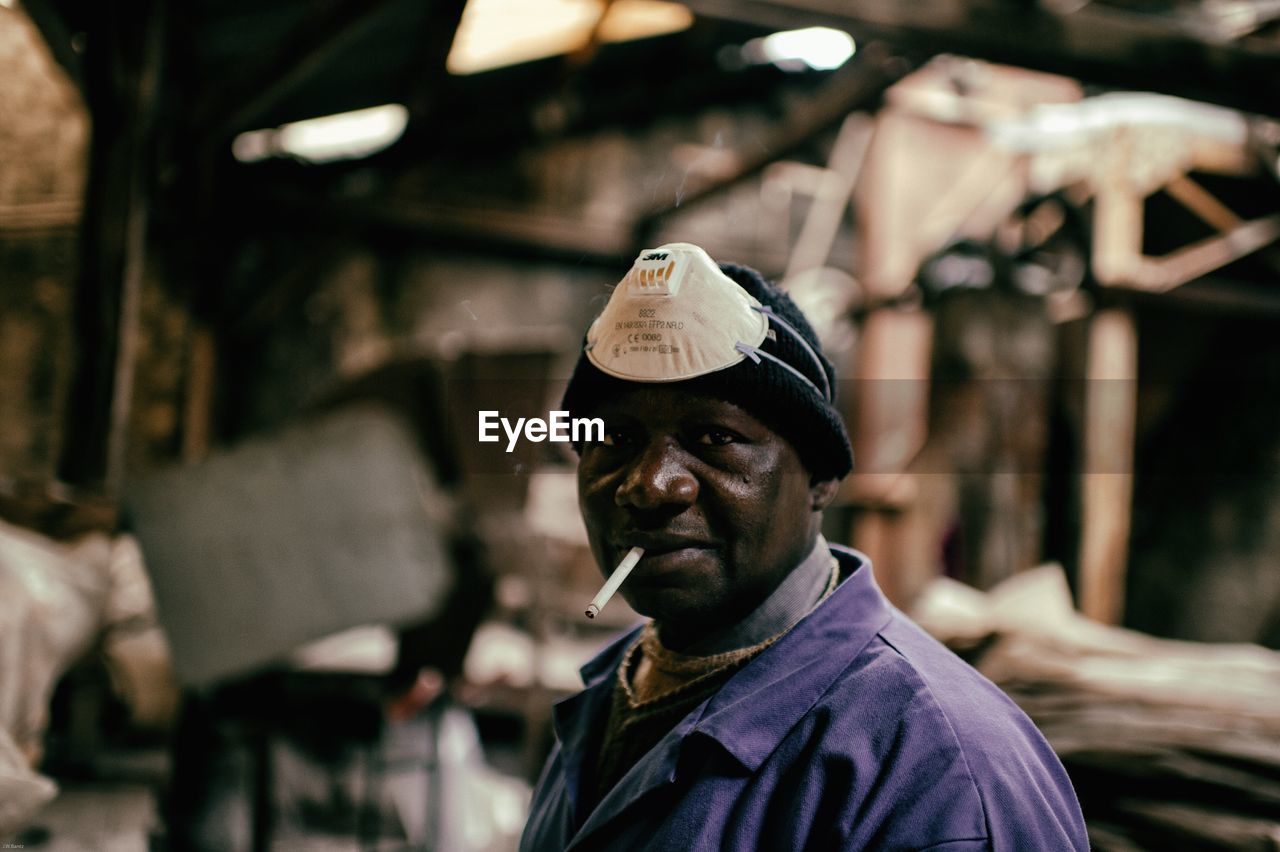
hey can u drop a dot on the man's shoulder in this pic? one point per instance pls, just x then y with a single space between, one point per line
958 690
907 680
933 726
903 686
906 671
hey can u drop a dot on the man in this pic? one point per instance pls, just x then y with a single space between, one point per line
775 701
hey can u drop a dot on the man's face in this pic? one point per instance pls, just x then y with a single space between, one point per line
721 504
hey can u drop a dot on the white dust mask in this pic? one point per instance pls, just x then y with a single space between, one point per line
675 316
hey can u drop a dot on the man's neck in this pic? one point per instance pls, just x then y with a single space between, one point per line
798 592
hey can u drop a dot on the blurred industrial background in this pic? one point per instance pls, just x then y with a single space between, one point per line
261 263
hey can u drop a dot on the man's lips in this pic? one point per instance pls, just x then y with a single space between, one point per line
665 554
657 543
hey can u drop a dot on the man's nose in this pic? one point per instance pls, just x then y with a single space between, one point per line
658 477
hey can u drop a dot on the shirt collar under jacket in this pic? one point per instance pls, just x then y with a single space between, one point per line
744 718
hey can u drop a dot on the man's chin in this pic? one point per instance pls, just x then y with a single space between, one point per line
658 604
672 614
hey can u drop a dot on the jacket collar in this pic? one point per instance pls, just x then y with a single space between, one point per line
746 716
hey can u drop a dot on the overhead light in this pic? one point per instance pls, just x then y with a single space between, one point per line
344 136
497 33
816 48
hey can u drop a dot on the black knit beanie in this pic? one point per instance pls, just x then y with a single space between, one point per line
768 391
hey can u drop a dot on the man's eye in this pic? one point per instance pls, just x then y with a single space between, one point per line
716 438
616 438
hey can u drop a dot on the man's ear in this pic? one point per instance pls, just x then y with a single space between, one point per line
821 493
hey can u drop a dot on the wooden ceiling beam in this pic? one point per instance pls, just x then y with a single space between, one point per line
1105 44
855 86
428 72
238 103
539 231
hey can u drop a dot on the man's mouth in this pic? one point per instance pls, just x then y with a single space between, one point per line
656 543
664 552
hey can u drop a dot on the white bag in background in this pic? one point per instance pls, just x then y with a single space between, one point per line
54 599
22 792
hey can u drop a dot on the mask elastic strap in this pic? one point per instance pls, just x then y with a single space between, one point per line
755 354
804 344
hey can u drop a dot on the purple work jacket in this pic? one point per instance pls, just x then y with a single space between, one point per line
856 730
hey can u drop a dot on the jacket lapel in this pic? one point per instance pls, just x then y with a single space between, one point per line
580 718
657 769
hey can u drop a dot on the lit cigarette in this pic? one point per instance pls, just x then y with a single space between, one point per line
615 580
